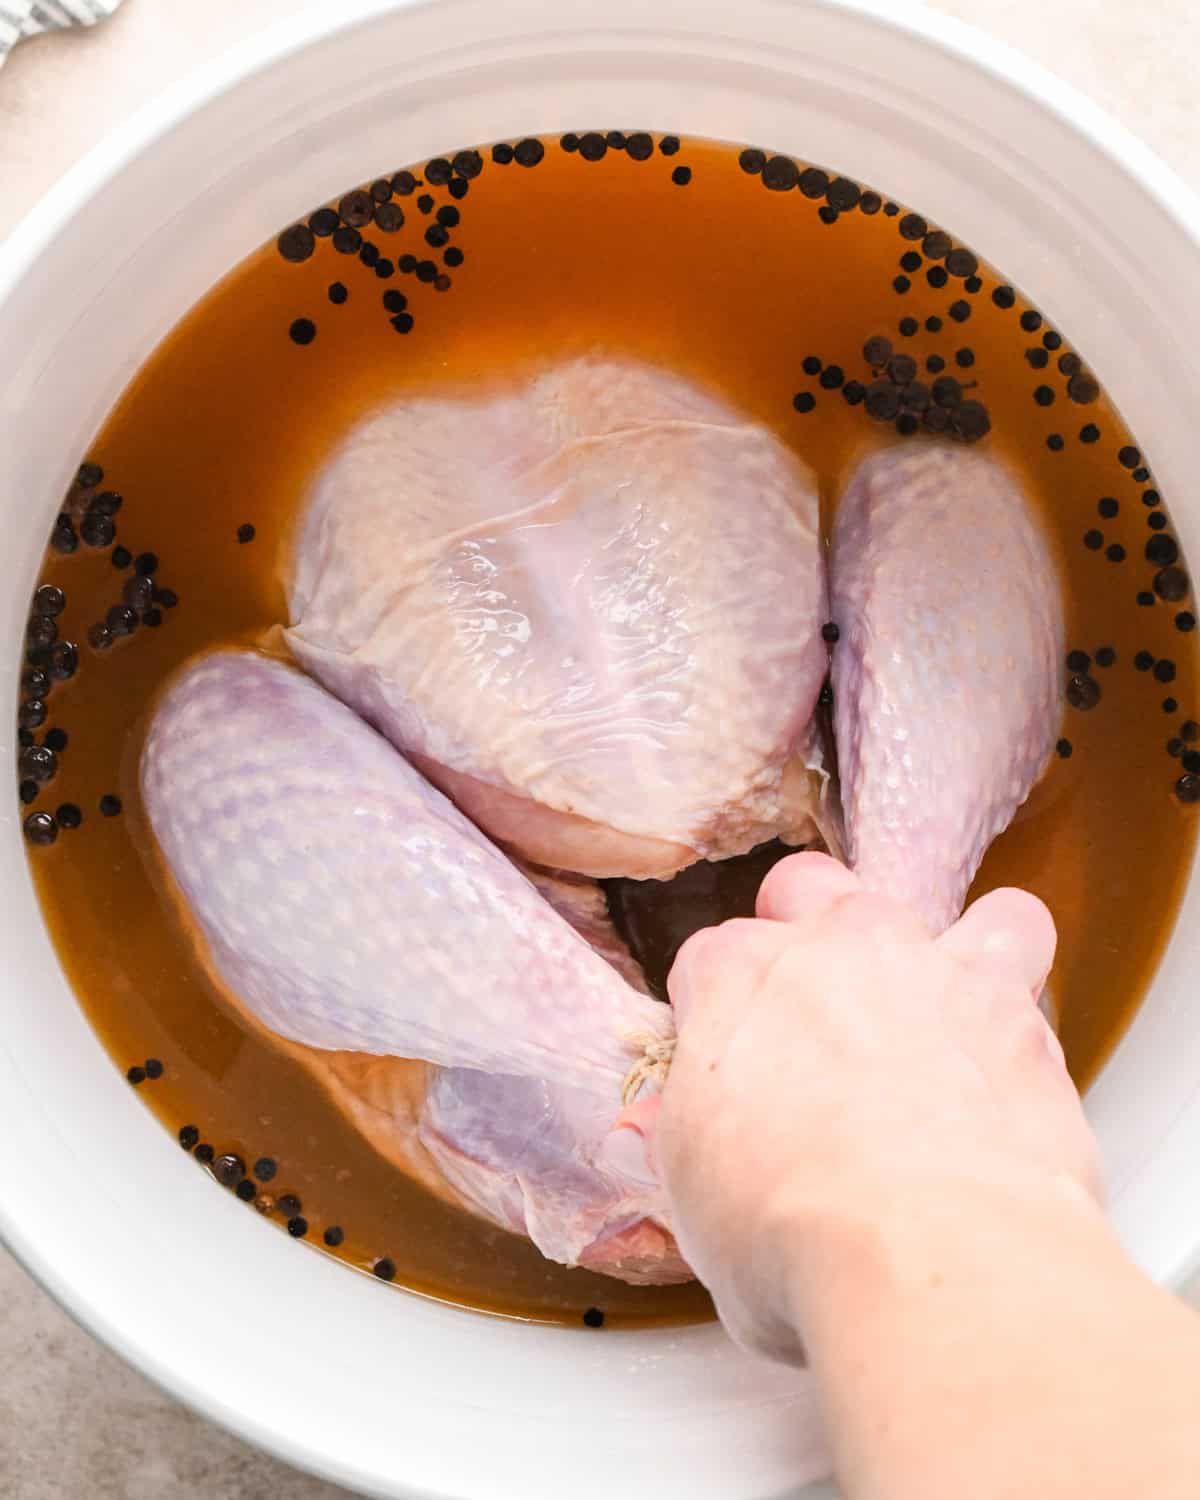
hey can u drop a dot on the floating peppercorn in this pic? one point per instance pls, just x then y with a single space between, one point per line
32 713
1083 389
97 530
946 391
1083 692
138 592
38 763
467 163
1162 550
813 183
64 661
780 174
296 243
902 368
40 828
63 538
882 400
229 1169
970 421
842 194
1171 584
121 620
49 599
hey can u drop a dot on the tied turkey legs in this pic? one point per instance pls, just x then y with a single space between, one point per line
588 610
946 671
343 903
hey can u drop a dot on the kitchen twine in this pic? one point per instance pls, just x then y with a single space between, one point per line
22 18
652 1066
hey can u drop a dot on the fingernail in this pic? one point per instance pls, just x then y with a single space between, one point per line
624 1153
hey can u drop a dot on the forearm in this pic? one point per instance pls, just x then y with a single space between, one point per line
995 1342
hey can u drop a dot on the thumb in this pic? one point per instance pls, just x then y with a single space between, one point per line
1008 934
628 1148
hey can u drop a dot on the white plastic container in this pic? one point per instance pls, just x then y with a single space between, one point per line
380 1390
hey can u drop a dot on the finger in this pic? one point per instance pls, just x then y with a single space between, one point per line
1008 934
718 966
628 1149
869 916
803 885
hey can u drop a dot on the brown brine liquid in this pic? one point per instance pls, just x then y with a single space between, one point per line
763 285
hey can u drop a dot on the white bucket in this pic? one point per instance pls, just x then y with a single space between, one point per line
380 1390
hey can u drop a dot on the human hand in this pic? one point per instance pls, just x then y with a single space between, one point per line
838 1065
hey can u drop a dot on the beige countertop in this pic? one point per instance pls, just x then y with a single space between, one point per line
74 1421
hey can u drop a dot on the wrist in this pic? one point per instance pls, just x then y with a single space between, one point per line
965 1332
881 1241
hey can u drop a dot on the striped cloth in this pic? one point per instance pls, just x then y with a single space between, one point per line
22 18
